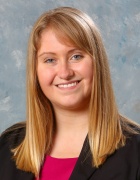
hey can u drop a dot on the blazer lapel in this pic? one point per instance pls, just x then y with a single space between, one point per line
83 168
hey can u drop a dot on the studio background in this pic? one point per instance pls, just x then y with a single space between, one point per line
119 23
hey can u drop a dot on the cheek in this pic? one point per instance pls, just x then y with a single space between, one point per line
88 71
41 76
45 76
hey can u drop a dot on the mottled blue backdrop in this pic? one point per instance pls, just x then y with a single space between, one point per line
119 22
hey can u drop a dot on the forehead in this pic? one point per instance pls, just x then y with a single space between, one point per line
65 36
50 39
61 36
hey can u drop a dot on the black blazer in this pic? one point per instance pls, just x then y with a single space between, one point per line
124 164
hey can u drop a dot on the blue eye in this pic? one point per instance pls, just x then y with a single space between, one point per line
49 61
77 57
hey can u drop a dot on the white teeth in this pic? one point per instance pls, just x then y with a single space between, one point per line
67 85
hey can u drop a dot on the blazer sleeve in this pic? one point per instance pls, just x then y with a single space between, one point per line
8 140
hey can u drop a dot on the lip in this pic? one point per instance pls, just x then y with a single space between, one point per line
68 85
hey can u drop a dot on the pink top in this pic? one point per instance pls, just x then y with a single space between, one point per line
57 168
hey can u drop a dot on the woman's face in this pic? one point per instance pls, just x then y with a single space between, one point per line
65 73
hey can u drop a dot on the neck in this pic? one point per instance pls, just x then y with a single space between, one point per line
71 130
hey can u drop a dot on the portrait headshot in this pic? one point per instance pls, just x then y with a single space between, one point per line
69 90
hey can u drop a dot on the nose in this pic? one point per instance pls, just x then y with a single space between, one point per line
65 71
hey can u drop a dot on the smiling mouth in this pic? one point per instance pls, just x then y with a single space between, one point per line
68 85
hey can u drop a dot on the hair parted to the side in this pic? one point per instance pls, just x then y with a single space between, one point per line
105 124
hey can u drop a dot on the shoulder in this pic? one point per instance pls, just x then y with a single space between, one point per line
13 135
131 131
133 142
9 139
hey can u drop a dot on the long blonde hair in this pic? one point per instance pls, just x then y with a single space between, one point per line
105 124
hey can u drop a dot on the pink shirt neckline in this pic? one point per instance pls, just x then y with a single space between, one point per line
60 158
57 168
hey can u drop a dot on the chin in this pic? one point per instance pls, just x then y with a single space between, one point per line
72 106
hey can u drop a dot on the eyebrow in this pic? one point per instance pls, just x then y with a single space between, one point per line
46 53
52 53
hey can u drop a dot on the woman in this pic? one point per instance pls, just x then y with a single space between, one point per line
73 129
